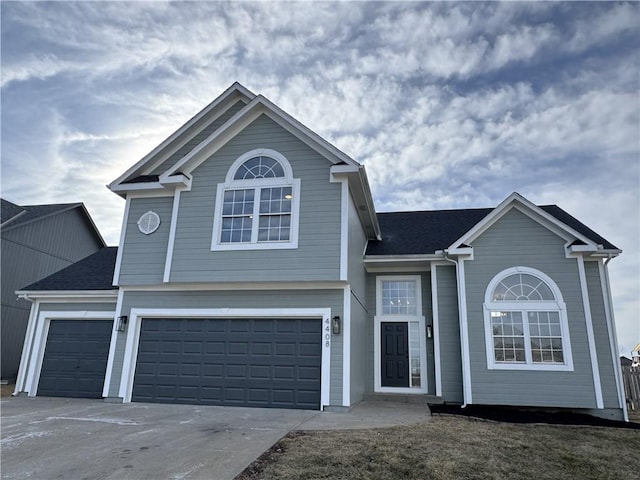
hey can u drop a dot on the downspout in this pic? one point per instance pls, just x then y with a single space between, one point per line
445 255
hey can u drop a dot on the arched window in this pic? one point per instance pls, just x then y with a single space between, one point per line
526 322
257 206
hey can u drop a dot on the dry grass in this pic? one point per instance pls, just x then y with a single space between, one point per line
454 448
6 390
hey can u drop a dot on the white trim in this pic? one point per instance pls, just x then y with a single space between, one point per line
223 286
26 348
123 232
135 321
158 193
557 305
148 231
112 346
344 230
259 152
59 296
172 236
464 332
436 330
346 348
235 90
380 318
613 334
40 340
515 200
595 369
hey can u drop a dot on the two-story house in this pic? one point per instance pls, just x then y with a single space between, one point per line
254 270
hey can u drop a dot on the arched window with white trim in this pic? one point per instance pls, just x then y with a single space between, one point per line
526 322
257 207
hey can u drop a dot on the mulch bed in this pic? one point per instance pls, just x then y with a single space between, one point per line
514 415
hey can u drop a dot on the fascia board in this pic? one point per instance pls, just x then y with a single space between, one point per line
258 106
401 258
515 200
234 90
359 186
52 294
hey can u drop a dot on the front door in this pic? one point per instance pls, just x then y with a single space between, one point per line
394 350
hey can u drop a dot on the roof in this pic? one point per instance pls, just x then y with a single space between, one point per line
9 210
94 272
425 232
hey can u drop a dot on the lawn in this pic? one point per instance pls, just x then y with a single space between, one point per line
451 447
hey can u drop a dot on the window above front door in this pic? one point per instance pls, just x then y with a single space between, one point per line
399 335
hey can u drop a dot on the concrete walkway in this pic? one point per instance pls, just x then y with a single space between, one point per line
76 438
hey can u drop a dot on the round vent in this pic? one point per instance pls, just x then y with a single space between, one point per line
149 222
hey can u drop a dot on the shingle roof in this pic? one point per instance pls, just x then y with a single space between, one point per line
425 232
35 212
9 210
94 272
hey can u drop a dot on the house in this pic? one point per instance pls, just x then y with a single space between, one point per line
37 240
254 270
635 356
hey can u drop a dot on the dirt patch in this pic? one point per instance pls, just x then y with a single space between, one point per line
7 390
517 415
452 447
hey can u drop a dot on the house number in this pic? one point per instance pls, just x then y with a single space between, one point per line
327 332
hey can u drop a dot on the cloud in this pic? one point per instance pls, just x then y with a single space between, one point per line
449 105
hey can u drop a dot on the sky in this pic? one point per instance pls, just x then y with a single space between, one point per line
447 105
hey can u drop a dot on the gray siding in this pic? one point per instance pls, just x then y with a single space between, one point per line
238 299
199 138
357 278
143 256
318 254
516 240
601 336
425 279
449 332
30 253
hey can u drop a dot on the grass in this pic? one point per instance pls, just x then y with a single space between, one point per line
451 447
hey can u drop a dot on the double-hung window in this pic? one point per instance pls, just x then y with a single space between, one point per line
257 206
526 322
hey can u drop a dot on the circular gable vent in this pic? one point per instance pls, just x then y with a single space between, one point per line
149 222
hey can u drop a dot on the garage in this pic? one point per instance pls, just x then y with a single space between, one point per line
75 358
253 362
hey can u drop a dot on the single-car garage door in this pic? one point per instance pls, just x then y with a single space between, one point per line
75 358
263 362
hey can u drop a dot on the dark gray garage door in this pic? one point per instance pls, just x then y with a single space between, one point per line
75 358
244 362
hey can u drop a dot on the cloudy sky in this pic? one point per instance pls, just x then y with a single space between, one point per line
448 105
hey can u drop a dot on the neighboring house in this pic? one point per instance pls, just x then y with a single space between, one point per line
37 240
254 270
635 356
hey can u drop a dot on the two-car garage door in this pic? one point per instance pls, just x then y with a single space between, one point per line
263 362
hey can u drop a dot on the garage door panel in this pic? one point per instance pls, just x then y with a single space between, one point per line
75 358
250 362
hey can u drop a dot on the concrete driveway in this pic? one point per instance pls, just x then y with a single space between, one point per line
56 438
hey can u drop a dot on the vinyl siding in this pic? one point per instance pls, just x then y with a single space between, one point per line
143 256
30 253
199 138
238 299
357 278
318 254
449 332
425 279
601 335
516 240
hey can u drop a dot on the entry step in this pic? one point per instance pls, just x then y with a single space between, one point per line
404 398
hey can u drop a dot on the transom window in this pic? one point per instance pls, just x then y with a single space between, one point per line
257 206
526 322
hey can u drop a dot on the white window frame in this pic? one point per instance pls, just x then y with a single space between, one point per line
383 318
524 307
257 184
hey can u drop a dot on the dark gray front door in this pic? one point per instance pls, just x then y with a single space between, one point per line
75 358
245 362
395 354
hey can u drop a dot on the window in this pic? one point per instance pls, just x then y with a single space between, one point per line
257 206
526 322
